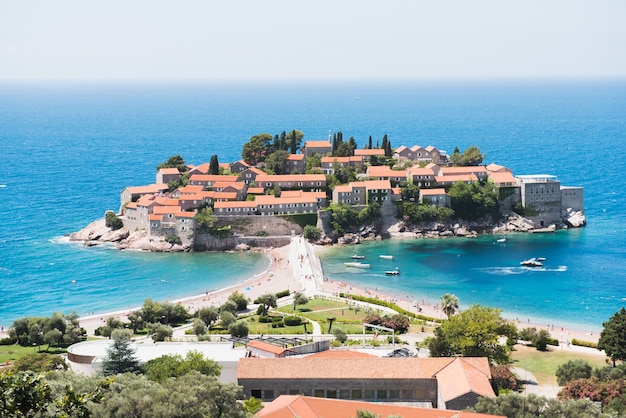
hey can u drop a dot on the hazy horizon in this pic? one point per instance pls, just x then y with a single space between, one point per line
324 41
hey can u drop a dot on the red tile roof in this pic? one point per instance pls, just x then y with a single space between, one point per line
172 170
270 348
464 376
341 354
294 178
290 406
368 152
318 144
295 157
212 178
433 192
341 368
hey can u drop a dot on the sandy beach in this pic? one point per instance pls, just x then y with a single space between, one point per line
297 267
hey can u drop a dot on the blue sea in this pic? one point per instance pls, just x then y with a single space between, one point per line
69 149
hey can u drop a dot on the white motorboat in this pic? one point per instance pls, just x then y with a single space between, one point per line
358 257
393 272
357 265
386 257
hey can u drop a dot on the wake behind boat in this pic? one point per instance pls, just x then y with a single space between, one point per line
357 265
358 257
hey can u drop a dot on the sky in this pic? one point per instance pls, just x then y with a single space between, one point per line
311 40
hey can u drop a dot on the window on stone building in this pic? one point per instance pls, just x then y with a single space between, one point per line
256 393
319 393
381 394
357 394
344 394
369 393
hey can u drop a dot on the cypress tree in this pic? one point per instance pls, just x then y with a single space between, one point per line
214 165
369 143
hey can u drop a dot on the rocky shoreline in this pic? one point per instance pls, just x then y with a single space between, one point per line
97 233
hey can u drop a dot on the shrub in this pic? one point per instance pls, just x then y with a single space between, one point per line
278 324
293 321
261 233
582 343
340 335
283 294
572 370
173 239
311 233
112 220
265 319
502 378
8 341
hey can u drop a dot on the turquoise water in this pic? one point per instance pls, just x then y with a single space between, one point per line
70 149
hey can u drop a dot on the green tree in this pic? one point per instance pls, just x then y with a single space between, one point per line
120 356
299 298
53 338
313 162
205 221
175 161
276 162
541 340
238 329
311 233
267 300
572 370
255 150
340 335
470 157
226 319
208 314
613 337
474 333
240 300
166 366
449 303
474 201
136 320
161 332
23 394
514 405
214 165
199 327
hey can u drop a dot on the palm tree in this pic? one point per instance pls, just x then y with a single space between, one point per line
449 304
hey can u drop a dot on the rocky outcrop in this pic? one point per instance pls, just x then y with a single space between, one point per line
573 218
97 233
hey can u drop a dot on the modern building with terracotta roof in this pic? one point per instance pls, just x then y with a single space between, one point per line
329 163
436 197
290 406
310 182
296 163
437 381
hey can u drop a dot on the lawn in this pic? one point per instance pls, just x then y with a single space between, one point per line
12 353
543 365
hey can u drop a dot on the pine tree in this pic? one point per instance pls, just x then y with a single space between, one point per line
120 355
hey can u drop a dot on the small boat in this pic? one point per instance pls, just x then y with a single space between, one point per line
357 265
386 257
531 262
358 257
541 259
501 240
394 272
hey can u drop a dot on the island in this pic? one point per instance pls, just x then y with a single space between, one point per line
332 192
